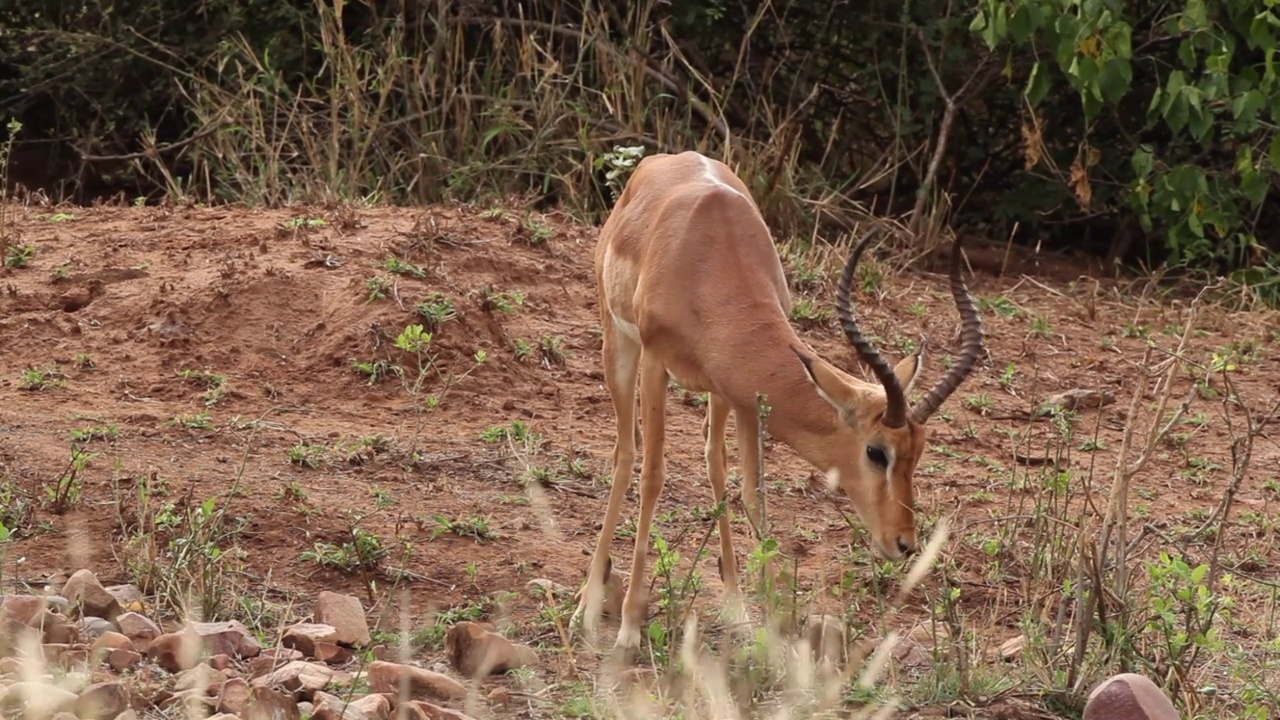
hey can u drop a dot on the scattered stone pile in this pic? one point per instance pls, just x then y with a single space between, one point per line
92 653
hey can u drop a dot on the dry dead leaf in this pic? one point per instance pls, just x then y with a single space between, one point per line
1080 184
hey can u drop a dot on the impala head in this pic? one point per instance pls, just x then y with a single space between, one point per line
879 438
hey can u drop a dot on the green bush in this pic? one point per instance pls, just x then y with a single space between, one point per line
1139 130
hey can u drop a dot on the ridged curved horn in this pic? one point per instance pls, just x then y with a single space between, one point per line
895 415
971 339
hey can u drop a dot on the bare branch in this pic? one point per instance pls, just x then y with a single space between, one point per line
953 103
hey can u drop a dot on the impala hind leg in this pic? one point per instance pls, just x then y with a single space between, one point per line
713 428
653 475
621 367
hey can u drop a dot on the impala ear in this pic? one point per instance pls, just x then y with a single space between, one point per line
908 369
827 381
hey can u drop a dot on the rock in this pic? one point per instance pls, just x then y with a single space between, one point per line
102 701
57 628
346 615
175 652
52 653
220 662
41 700
422 710
129 597
304 636
21 609
234 696
138 628
1128 696
302 679
386 677
187 703
271 660
329 707
178 651
270 704
476 651
121 660
331 654
111 640
89 598
546 589
826 637
499 696
374 707
200 678
93 627
1010 649
228 638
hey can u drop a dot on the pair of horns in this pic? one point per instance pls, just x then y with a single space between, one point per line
971 336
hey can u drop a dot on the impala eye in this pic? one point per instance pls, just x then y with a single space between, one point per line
878 457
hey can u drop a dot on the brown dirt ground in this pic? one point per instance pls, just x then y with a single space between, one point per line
148 292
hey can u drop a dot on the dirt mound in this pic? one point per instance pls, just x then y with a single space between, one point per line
212 404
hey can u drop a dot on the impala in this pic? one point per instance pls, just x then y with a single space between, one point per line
690 287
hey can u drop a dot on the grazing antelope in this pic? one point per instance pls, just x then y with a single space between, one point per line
690 286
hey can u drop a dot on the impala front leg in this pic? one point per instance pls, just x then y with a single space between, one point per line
653 472
621 364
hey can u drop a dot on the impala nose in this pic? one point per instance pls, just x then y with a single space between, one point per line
906 547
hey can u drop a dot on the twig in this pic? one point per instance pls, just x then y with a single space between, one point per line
953 102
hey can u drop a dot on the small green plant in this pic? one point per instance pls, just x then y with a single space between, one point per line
808 314
403 267
436 310
19 256
64 492
95 432
41 378
618 164
980 403
1007 377
1134 329
215 386
62 217
503 302
292 491
306 455
194 421
14 127
376 370
552 350
472 527
303 222
364 552
517 431
1001 306
521 348
414 339
377 286
1040 327
536 232
83 361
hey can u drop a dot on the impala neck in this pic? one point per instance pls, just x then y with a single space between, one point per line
798 416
